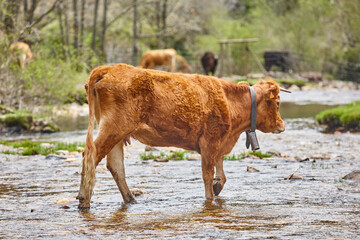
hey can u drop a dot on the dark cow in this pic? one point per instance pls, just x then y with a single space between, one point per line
209 62
281 59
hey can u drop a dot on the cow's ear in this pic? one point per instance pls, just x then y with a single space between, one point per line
273 90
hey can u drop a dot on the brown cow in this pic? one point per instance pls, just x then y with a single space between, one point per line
21 53
190 111
182 65
159 57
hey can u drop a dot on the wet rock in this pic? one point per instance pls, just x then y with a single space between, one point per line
63 200
252 169
194 157
149 149
54 157
80 149
46 145
70 160
62 152
303 160
137 191
294 88
165 159
158 165
293 177
354 175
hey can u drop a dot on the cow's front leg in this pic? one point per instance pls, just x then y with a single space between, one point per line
207 167
115 164
220 179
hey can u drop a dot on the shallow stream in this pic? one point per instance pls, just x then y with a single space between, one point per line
252 205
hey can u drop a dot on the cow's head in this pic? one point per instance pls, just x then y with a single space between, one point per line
268 104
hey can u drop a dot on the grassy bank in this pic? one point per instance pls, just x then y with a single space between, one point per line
344 118
18 121
283 82
28 147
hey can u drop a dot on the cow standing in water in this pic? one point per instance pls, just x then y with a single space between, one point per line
209 63
195 112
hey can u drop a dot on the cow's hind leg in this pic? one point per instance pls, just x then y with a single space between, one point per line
92 157
220 179
115 164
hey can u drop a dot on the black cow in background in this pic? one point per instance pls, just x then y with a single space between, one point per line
209 62
281 59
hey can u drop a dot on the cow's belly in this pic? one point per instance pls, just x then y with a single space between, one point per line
150 136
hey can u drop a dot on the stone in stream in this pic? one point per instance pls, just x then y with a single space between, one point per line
252 169
354 175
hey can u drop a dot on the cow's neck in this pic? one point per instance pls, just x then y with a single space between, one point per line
240 109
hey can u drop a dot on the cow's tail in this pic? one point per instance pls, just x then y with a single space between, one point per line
89 155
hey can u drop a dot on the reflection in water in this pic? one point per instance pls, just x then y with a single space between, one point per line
293 110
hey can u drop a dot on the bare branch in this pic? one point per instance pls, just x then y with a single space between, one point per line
28 27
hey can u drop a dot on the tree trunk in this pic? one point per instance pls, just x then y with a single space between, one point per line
135 49
158 23
67 31
82 19
164 34
76 28
29 13
10 17
62 32
94 25
103 31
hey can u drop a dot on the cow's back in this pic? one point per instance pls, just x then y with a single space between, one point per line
172 108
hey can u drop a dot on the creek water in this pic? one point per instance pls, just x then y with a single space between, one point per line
252 205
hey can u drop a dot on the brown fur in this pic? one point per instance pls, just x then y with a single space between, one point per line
182 65
159 57
194 112
21 53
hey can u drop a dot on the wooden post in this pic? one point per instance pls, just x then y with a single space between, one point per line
221 60
246 59
228 61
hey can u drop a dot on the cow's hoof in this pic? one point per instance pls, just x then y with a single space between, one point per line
217 187
84 205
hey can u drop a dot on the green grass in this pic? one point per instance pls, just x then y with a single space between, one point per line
297 82
347 116
35 148
183 155
236 157
174 155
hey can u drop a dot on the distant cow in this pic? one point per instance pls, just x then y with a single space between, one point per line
209 62
159 57
277 58
182 65
195 112
20 53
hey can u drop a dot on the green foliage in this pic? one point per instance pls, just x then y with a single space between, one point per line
20 118
259 154
297 82
234 157
344 116
34 148
174 155
51 80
